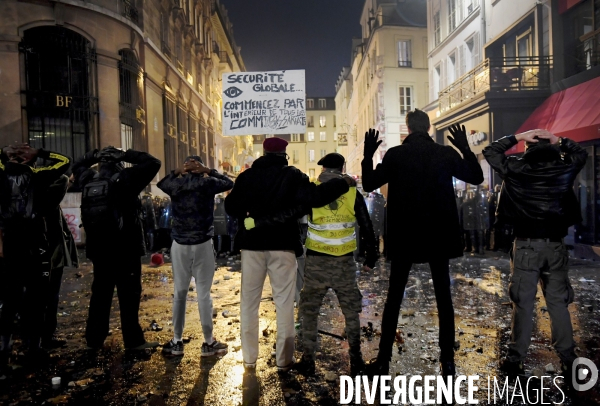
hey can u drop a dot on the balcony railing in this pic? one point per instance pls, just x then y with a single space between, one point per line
215 47
498 75
587 53
129 10
225 59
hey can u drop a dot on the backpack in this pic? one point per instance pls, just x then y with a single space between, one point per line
100 213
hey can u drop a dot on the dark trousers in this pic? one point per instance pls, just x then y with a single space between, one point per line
441 283
548 263
52 295
25 284
124 272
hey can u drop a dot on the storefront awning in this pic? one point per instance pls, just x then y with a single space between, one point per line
573 113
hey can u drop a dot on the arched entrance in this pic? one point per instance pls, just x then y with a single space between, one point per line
60 108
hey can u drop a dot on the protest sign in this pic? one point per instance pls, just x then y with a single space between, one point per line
264 103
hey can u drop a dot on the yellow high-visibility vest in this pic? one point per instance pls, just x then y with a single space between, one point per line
331 228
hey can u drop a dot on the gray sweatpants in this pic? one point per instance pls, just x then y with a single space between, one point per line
547 262
197 261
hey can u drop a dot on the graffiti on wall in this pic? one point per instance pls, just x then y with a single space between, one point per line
73 217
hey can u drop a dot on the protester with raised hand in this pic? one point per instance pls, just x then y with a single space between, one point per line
422 222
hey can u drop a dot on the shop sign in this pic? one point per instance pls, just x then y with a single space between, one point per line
476 138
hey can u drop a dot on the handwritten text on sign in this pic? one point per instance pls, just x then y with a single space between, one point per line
264 103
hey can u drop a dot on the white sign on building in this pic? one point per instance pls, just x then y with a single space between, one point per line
264 103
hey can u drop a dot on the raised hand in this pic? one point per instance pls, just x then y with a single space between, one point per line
458 137
111 154
371 142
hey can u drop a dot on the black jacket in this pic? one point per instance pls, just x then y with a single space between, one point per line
60 239
25 237
193 200
40 178
422 218
271 186
128 186
362 218
537 195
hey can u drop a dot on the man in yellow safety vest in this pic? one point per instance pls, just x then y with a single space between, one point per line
330 263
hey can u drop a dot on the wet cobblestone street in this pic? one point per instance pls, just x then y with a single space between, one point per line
114 377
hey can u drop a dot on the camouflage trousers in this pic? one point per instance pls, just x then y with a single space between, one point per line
338 273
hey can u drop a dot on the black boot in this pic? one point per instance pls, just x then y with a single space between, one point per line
306 366
378 367
357 365
448 368
512 368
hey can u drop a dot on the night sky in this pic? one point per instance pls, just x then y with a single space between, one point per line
314 35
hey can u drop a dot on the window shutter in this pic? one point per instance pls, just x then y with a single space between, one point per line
461 58
476 50
432 95
444 79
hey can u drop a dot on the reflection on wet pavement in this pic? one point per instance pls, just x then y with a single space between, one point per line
114 377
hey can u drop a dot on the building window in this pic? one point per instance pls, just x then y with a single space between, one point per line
405 99
322 121
179 52
437 31
311 136
323 153
170 141
310 103
295 137
61 110
131 94
452 68
164 34
311 155
193 135
452 15
310 122
322 103
334 123
311 173
335 136
295 156
126 137
323 136
404 56
437 80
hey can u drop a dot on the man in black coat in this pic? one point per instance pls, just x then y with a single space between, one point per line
116 255
420 199
271 186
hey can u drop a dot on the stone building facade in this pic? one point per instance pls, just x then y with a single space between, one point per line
145 74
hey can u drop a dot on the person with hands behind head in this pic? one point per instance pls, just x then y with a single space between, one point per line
330 244
422 221
192 189
539 202
111 218
23 191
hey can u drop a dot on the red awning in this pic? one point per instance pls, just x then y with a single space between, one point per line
573 113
